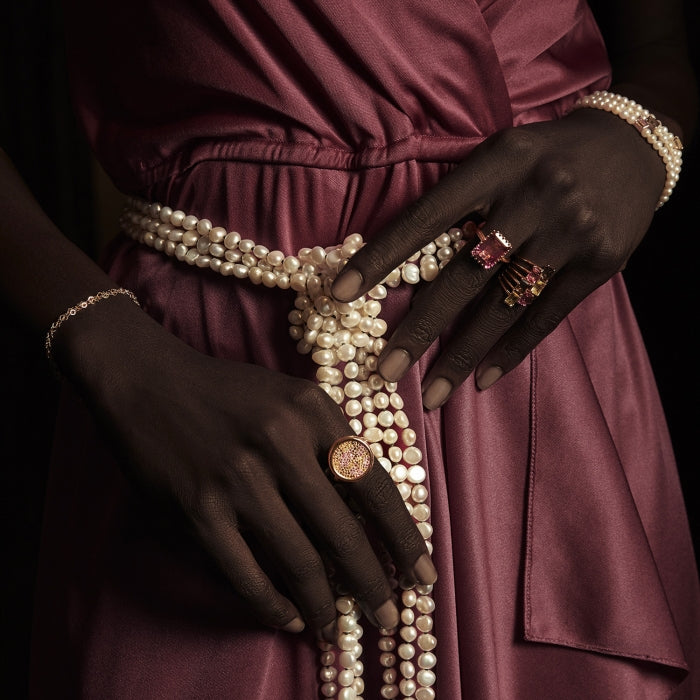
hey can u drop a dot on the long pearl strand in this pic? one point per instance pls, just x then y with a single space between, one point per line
344 341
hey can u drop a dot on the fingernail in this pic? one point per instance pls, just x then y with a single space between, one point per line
347 286
436 394
387 615
425 570
328 633
487 377
392 368
295 625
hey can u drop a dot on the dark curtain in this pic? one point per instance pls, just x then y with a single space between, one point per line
38 131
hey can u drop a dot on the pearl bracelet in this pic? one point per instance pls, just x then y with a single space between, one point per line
91 300
667 145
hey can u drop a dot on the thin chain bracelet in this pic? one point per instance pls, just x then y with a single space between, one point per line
90 301
667 145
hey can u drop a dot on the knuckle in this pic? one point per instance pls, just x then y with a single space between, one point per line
306 567
556 175
424 215
462 359
382 495
257 590
373 590
423 331
321 614
347 539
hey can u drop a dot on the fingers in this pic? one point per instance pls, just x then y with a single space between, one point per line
223 540
344 541
450 200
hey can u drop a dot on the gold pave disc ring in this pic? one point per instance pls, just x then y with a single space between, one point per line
350 458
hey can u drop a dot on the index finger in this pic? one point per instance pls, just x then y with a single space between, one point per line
419 224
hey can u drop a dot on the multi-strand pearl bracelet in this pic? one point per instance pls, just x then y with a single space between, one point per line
344 341
666 144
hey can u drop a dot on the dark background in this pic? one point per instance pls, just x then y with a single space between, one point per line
38 131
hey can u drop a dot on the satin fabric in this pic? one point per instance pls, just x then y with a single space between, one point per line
565 562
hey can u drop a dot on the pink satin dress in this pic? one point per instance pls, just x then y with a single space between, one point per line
565 562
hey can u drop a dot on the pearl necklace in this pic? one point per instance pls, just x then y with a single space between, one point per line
344 340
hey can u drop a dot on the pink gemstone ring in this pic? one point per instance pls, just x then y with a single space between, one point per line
491 249
350 458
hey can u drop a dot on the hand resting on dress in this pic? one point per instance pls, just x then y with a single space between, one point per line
577 194
242 450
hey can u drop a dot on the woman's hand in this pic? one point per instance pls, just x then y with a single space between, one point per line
576 194
242 451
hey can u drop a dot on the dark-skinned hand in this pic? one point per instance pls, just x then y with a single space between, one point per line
577 194
242 451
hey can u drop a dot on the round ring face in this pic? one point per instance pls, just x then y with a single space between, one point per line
350 458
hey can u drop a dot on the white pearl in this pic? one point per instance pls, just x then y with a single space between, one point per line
425 604
412 455
396 401
381 400
410 273
395 454
424 623
346 678
387 659
324 357
390 676
406 651
427 660
427 642
408 670
389 691
408 598
407 616
425 694
390 436
404 490
407 434
356 426
425 677
373 434
416 473
369 420
347 694
386 644
329 690
328 673
398 473
425 529
419 493
408 633
407 686
385 419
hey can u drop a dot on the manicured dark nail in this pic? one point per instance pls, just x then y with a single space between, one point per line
425 570
488 377
387 615
393 366
294 625
437 393
347 286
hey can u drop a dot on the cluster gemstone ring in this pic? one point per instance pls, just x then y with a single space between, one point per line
523 281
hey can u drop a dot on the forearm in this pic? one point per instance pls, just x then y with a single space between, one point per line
45 273
647 44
